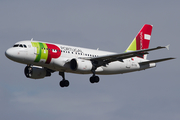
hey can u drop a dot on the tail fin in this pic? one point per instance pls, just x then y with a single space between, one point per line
142 39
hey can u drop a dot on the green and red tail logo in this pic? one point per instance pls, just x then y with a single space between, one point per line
45 51
142 40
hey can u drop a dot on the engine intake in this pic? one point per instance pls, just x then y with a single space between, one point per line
73 64
36 72
80 65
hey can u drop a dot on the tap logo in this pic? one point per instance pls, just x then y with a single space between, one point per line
45 51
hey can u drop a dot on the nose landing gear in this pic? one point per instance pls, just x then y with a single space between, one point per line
63 82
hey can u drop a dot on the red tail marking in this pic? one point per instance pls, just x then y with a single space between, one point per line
141 42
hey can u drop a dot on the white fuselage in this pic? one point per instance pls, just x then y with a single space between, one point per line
28 54
43 58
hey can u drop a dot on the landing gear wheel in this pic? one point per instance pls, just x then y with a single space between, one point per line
91 79
94 79
64 83
61 84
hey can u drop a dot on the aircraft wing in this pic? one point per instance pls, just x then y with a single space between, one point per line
104 60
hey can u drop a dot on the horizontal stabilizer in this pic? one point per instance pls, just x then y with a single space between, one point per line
155 61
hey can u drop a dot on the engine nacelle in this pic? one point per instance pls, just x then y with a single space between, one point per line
80 65
36 72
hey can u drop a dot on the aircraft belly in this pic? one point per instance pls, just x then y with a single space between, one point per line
119 68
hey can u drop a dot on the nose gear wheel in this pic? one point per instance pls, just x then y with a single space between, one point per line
63 82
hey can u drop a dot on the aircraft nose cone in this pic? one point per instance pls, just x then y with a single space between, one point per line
9 53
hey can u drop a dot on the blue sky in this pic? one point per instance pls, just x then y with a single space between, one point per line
103 24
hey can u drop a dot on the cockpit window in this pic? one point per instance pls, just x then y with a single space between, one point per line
20 45
16 45
25 46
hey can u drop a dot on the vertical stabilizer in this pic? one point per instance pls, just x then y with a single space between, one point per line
142 39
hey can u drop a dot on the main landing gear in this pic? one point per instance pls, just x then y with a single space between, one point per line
63 82
94 78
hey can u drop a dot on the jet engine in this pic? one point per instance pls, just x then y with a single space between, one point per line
36 72
80 65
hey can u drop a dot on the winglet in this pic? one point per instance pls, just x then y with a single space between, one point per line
167 46
31 39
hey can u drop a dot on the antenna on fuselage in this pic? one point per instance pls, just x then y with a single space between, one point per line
31 39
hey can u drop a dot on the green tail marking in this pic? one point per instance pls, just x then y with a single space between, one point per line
132 46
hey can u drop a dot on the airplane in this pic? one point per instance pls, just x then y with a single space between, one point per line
44 58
